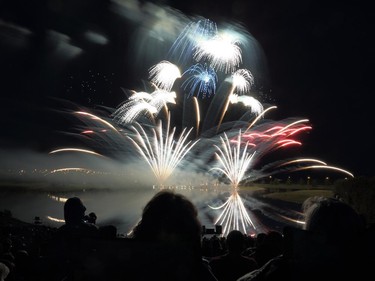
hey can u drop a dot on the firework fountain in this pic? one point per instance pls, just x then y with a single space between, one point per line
212 63
234 165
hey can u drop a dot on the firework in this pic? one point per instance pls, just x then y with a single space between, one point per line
203 80
160 150
234 162
255 105
221 51
186 43
75 150
143 104
242 80
164 74
210 60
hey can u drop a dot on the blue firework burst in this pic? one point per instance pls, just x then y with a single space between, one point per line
202 80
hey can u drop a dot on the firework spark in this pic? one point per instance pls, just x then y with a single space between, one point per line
161 151
203 80
184 46
326 167
75 150
160 98
234 162
67 170
131 110
164 74
255 105
96 118
221 51
143 104
242 80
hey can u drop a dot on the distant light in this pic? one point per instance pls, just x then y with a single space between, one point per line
55 219
95 37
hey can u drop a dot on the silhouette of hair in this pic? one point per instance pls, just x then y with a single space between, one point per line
331 217
170 227
235 241
74 210
4 271
172 218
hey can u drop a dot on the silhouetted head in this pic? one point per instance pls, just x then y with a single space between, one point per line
4 271
74 210
171 218
91 218
235 241
275 239
332 218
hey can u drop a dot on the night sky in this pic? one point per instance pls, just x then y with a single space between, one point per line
318 57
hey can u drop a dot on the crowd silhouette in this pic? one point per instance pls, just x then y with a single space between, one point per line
168 244
233 264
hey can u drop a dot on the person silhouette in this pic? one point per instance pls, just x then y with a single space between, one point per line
4 271
65 256
233 264
76 225
270 247
170 220
324 248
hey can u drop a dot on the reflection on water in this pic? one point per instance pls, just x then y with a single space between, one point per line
121 208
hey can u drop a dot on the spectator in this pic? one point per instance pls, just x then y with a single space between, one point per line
4 271
270 247
326 247
65 249
7 257
171 221
75 226
91 218
233 264
258 240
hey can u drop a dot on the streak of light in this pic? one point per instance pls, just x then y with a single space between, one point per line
68 149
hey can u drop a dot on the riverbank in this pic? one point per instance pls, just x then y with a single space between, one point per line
288 192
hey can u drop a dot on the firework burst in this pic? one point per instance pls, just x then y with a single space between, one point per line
202 80
160 150
205 55
234 162
164 74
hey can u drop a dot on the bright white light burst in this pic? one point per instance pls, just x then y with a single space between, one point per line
234 162
255 105
222 52
161 151
164 74
143 103
242 80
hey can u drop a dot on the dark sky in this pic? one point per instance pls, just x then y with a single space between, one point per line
319 56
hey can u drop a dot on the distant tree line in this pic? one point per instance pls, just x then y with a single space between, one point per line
360 194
